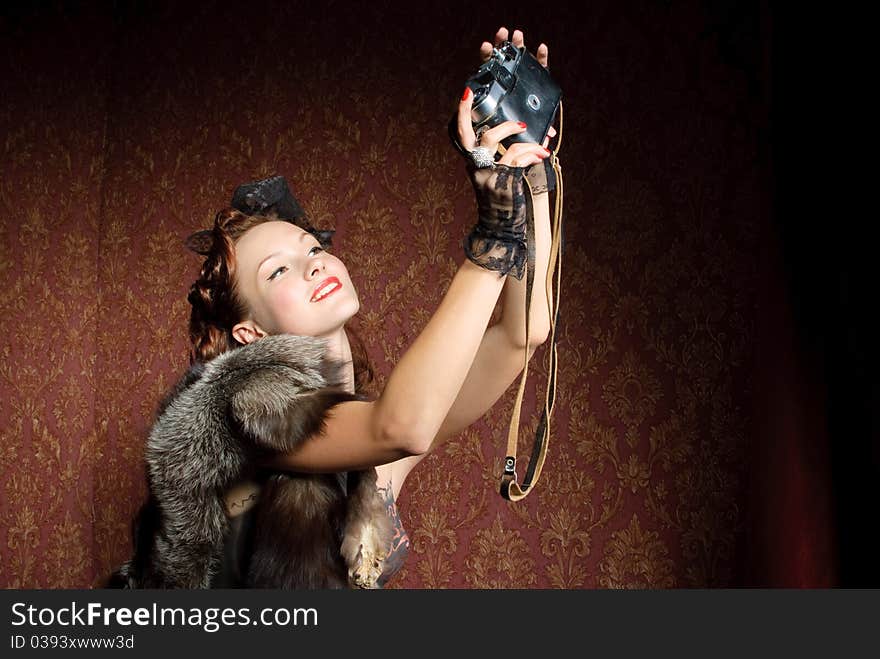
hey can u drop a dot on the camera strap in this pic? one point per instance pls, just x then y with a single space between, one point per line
510 489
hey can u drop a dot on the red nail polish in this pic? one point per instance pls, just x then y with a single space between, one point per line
467 93
521 124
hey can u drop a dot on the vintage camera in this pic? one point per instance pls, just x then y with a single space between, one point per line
513 86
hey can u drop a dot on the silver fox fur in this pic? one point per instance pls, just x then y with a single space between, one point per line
220 418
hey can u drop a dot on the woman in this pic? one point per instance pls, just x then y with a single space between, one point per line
269 281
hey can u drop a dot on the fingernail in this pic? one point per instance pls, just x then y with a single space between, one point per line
547 150
521 124
467 93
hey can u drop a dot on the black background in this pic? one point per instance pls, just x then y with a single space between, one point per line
824 209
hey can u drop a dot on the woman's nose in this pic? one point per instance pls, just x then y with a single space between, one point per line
316 266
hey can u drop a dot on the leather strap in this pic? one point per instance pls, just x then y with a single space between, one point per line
510 489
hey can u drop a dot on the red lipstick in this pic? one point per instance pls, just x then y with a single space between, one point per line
325 288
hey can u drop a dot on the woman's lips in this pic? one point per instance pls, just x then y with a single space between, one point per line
330 281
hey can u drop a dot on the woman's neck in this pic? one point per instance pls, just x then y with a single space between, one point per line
339 349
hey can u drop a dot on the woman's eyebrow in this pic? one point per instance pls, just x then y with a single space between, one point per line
274 254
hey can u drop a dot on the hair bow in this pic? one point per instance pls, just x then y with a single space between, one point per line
269 195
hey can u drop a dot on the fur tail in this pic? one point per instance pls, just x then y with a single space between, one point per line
143 527
123 577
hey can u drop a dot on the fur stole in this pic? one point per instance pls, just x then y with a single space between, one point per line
210 431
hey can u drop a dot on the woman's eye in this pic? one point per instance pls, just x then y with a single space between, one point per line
277 270
284 267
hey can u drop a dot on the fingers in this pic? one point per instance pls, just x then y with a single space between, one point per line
492 137
517 39
466 135
542 54
524 154
485 51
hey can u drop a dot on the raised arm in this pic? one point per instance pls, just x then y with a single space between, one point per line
427 383
499 358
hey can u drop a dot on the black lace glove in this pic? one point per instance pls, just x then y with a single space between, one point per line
498 240
542 177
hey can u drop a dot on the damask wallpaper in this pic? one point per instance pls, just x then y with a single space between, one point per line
125 126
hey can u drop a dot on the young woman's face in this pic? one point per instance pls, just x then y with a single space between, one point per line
290 284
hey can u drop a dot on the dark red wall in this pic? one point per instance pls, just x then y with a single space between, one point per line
689 448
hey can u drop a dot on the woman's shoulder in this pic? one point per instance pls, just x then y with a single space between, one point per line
184 382
280 368
383 476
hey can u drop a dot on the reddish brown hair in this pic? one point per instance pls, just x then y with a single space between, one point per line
217 306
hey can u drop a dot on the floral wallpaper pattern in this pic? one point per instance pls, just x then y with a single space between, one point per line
125 127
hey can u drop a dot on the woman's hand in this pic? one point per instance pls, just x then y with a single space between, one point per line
519 154
498 241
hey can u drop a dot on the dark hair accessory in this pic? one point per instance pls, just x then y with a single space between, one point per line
261 197
200 242
273 195
267 195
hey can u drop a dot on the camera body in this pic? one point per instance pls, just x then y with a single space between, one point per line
513 86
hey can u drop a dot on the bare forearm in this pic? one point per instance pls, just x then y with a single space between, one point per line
499 359
496 365
513 312
424 384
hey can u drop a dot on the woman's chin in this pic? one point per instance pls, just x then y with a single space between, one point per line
349 308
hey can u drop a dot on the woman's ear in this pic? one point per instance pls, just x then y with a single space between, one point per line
247 332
